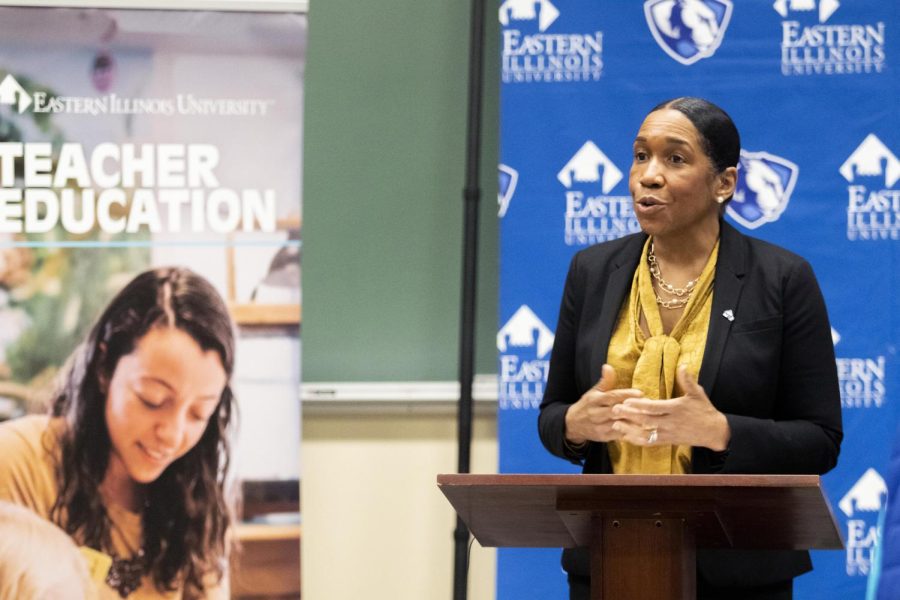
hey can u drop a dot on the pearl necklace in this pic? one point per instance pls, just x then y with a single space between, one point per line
682 295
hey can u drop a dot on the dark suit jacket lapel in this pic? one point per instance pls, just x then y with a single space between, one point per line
730 269
618 285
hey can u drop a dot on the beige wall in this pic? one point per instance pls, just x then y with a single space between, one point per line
375 525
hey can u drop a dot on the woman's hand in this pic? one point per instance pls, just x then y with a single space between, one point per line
591 417
689 420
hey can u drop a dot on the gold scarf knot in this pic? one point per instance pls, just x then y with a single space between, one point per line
649 362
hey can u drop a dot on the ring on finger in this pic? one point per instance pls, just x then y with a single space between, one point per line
654 434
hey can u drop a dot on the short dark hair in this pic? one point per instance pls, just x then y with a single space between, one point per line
718 133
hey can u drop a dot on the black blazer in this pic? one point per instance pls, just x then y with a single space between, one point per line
770 369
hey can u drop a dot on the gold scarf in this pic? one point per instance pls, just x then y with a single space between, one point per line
649 363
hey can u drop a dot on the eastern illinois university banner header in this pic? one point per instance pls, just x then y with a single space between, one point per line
812 86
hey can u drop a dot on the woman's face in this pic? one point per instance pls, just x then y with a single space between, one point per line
160 399
672 181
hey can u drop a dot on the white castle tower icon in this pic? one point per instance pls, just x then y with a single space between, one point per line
529 10
12 93
524 330
865 495
826 7
585 167
872 158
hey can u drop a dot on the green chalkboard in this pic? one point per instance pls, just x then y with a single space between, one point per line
384 168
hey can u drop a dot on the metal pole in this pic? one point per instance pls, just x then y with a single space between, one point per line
471 199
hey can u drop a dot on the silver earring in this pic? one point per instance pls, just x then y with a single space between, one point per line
720 199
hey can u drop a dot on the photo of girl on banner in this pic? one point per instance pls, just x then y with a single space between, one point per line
150 233
143 415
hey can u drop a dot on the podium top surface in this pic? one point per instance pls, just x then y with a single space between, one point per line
730 511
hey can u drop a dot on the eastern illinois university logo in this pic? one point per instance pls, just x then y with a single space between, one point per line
873 204
525 330
534 51
524 343
863 380
811 45
872 159
13 94
764 187
593 217
861 505
541 11
824 9
688 30
590 165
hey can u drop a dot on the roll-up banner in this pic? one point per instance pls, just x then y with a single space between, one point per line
812 86
138 139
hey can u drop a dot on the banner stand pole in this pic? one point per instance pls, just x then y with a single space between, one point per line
471 199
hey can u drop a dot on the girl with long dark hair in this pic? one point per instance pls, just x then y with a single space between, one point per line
132 462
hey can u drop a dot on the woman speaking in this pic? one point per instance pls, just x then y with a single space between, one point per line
692 348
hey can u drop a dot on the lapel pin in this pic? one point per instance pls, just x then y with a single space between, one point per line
728 314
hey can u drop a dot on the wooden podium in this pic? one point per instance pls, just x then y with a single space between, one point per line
643 530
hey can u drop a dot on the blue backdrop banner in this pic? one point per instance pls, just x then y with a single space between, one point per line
812 86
